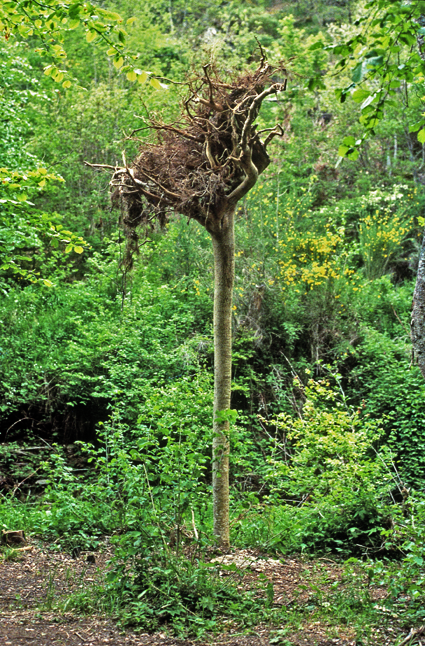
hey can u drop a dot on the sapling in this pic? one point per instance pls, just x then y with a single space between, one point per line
201 166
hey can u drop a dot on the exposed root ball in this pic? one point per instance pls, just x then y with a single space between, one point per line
203 164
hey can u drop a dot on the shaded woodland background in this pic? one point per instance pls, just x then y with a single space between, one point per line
106 372
325 269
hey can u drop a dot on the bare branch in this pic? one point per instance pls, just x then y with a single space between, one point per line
211 89
182 133
276 132
263 55
245 186
174 195
86 163
253 111
133 132
260 132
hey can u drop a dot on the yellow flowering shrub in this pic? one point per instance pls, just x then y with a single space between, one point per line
381 237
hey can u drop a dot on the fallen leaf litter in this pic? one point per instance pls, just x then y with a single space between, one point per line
42 576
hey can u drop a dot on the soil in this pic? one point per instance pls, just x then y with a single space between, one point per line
31 587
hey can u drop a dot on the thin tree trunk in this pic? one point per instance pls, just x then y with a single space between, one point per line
224 271
418 313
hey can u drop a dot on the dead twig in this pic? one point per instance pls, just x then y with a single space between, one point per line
195 531
415 632
16 487
17 422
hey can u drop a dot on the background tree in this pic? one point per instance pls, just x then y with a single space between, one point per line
385 58
201 166
49 23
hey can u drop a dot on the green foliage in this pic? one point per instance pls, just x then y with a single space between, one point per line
157 587
32 241
331 444
326 465
122 362
10 554
100 351
33 244
163 457
406 583
48 25
382 56
147 490
390 387
19 89
402 575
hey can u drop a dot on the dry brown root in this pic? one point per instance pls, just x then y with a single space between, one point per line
202 164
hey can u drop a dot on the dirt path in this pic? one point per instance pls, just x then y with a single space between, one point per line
31 587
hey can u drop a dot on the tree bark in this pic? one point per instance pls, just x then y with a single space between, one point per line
418 313
224 271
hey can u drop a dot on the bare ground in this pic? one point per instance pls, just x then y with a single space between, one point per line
31 587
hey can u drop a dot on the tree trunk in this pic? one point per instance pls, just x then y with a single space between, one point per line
418 313
224 271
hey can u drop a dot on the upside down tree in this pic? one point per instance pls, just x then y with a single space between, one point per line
200 166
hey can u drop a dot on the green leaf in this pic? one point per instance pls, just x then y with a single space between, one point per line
343 150
91 35
227 415
132 76
353 155
48 283
421 136
142 76
118 62
74 9
408 39
374 61
155 83
100 26
316 83
318 45
359 72
68 248
78 249
349 141
111 15
360 95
